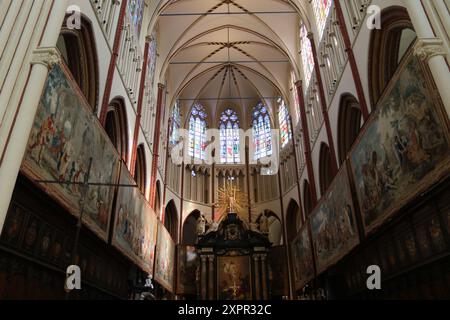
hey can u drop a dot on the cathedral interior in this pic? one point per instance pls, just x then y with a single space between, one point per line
224 149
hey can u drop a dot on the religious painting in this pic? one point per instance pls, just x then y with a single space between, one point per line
136 223
302 259
234 278
333 223
404 148
187 270
66 136
279 278
165 259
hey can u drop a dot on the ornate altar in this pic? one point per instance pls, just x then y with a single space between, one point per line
233 262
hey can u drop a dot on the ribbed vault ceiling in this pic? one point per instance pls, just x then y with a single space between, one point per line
227 52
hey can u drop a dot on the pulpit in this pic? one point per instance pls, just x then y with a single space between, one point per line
233 262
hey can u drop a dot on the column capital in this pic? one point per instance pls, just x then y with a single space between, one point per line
427 48
46 56
299 83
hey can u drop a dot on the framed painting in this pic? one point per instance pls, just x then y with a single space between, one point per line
187 270
303 258
135 226
234 278
333 223
165 259
404 147
280 281
66 135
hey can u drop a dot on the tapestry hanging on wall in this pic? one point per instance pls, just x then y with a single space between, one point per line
165 259
65 136
136 223
404 147
333 223
302 258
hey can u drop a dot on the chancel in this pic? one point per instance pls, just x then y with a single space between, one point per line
224 150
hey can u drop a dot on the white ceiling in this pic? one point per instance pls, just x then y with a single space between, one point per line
227 52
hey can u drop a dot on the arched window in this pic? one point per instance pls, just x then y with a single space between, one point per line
229 137
326 172
285 123
136 13
262 131
307 56
388 46
349 124
321 10
77 48
197 132
116 127
175 124
140 171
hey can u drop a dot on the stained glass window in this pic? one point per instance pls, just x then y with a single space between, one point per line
321 11
197 132
285 124
229 137
307 56
136 13
152 54
175 124
262 131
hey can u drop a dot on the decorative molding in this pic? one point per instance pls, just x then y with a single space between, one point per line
47 57
428 48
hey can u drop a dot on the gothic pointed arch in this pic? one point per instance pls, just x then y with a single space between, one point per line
326 172
307 198
140 174
388 45
293 219
171 219
190 228
349 124
116 126
79 53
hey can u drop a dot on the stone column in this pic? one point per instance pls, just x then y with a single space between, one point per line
137 123
45 55
306 144
324 106
211 277
257 277
264 275
204 278
430 49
